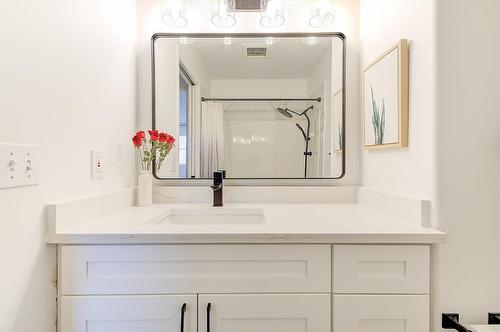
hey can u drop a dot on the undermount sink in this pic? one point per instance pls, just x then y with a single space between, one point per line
213 216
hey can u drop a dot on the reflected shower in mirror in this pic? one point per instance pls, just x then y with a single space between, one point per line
258 107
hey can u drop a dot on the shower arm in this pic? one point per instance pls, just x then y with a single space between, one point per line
306 110
290 111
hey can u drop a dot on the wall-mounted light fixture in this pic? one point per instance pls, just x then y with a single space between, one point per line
321 13
173 13
274 14
221 16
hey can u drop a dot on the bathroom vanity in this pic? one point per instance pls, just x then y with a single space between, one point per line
244 287
255 111
276 267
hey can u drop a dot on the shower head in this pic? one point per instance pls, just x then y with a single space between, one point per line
284 112
302 131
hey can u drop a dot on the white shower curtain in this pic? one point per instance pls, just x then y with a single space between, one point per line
212 138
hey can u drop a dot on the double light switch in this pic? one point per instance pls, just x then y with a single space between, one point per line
18 165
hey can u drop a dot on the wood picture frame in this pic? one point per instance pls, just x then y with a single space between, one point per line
386 106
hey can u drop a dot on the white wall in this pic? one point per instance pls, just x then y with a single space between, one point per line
454 151
169 54
382 24
259 88
67 84
168 99
198 13
193 63
409 171
467 275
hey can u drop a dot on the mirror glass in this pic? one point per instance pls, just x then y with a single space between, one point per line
257 107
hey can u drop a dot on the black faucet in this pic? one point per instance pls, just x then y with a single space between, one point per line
217 188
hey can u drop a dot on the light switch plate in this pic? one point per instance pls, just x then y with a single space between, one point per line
97 165
18 165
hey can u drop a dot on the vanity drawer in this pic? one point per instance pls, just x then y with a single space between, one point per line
381 269
381 313
177 269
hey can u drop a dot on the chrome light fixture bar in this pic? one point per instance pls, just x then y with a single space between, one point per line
272 13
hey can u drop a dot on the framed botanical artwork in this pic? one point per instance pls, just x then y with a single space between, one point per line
337 137
386 99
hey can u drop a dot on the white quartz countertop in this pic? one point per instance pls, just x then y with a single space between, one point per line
285 223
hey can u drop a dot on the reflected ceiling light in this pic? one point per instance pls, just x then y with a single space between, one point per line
173 13
221 16
269 41
310 41
274 15
321 13
185 40
228 41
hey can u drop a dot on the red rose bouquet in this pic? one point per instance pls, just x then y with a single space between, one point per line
156 148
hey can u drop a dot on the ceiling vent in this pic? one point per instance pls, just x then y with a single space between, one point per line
247 5
256 52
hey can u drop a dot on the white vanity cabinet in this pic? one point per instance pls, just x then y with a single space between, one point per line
274 288
244 288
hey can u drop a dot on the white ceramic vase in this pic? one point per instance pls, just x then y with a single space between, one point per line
145 190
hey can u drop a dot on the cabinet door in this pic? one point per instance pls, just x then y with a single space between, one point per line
127 313
264 313
381 313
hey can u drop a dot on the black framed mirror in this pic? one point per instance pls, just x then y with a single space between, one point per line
258 106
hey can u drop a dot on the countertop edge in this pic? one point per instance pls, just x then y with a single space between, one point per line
114 239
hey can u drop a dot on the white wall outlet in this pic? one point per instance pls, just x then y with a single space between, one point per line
18 165
97 165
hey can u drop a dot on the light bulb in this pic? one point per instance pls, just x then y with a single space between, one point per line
274 15
221 16
173 13
321 13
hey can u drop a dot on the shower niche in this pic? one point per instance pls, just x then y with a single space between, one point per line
256 106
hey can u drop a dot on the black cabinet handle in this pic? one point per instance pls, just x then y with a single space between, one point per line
209 310
183 314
